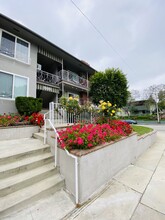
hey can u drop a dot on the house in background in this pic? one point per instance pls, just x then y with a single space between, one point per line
32 66
141 107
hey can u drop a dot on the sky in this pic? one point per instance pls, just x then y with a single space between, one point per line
124 34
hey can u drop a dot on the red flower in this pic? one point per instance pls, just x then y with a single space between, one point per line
80 141
86 136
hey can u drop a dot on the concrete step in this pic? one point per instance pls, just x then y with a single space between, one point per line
39 136
16 149
25 196
28 163
19 181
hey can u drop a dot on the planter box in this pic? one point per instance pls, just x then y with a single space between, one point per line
97 166
16 132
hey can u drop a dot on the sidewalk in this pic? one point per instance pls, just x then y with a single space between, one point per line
136 193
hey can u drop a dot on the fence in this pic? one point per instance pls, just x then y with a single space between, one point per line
58 115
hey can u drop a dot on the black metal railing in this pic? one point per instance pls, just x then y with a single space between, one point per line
43 76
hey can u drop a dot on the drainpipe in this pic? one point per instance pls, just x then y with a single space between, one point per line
76 174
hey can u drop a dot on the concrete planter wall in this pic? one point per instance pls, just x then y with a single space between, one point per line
144 142
9 133
97 166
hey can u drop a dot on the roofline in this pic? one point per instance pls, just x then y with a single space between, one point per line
44 39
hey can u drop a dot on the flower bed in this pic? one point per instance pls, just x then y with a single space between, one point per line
87 136
17 120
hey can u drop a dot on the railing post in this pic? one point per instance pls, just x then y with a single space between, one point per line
55 150
45 135
51 111
91 118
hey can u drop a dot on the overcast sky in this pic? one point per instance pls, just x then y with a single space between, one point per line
133 33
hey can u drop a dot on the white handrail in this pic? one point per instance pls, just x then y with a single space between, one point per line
67 152
55 144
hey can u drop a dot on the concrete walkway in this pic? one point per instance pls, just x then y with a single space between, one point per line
136 193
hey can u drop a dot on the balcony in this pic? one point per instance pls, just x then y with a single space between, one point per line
49 78
73 78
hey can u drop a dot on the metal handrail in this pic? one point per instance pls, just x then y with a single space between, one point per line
67 152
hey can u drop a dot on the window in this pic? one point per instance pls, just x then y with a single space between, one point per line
12 86
6 84
14 47
22 51
7 44
20 86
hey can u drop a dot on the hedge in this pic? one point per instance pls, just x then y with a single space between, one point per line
28 105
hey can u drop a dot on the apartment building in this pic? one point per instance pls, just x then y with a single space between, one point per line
30 65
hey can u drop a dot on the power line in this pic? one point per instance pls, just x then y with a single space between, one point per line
99 32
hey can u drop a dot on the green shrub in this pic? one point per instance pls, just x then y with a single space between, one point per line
28 105
140 117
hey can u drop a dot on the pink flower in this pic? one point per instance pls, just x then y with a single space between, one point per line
86 136
80 141
90 145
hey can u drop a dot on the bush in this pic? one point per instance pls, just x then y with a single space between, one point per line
9 120
28 105
35 119
106 108
140 117
71 104
15 120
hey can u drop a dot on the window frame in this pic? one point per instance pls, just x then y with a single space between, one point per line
15 75
15 47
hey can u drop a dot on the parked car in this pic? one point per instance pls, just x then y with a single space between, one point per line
129 121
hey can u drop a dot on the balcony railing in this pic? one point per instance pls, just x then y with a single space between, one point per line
46 77
73 78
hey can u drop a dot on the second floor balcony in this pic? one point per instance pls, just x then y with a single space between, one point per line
73 78
63 75
45 77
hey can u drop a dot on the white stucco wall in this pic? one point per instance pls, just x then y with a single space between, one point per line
96 168
13 66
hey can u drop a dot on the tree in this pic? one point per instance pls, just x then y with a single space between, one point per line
156 93
161 96
110 85
135 94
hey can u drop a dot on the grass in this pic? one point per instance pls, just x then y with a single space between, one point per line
141 129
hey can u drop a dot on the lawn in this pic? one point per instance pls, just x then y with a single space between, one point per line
141 129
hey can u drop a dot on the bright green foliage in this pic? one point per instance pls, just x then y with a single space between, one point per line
110 85
71 104
161 105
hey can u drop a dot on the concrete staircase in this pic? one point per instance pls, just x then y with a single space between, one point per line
27 173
